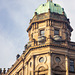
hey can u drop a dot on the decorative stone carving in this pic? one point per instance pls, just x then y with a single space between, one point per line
61 63
41 38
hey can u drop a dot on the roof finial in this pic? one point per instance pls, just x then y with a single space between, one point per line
49 0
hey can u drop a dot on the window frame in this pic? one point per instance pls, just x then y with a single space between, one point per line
56 29
42 34
72 65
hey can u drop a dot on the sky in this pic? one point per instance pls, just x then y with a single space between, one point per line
15 16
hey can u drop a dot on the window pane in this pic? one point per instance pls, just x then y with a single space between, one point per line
41 59
71 65
58 59
71 68
71 62
42 32
56 32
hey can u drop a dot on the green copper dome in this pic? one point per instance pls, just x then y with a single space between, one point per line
50 5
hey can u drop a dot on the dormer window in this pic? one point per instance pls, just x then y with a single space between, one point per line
56 31
42 32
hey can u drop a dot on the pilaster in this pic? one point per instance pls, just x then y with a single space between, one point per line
50 63
67 65
33 64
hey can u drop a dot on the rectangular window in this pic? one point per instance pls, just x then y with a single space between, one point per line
42 32
72 65
56 31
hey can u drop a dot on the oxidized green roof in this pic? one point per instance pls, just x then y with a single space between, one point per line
50 5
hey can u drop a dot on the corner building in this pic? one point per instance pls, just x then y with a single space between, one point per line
49 50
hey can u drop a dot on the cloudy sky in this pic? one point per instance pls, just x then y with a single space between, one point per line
14 20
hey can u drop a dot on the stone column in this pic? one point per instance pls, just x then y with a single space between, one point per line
67 65
25 69
50 63
48 39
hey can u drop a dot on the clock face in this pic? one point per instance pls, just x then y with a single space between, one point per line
41 59
58 59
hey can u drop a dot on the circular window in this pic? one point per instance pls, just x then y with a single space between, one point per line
41 59
58 59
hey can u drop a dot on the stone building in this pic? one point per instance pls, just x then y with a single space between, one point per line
49 50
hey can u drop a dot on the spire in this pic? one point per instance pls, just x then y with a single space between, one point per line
49 0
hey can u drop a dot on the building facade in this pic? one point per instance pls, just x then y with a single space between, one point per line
49 50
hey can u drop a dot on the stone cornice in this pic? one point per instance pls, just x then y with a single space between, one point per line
45 17
35 47
46 20
18 61
45 45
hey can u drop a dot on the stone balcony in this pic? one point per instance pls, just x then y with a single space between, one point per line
57 38
41 38
28 45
